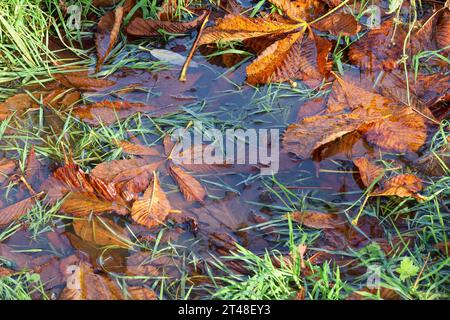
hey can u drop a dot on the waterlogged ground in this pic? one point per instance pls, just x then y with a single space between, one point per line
93 207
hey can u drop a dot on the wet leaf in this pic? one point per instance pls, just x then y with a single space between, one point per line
83 204
340 23
16 211
366 293
83 82
375 51
84 284
101 231
368 171
300 9
443 31
153 208
189 186
402 185
7 167
147 28
142 293
317 220
107 33
138 149
19 103
236 27
108 112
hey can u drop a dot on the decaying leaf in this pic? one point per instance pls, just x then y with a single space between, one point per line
147 28
142 293
7 167
101 231
154 206
379 48
19 103
340 23
382 121
84 284
317 220
189 186
107 32
368 171
402 185
82 81
137 149
300 9
236 27
81 204
16 211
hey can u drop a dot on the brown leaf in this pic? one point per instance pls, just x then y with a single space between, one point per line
105 3
339 23
443 31
16 211
20 103
137 149
402 185
317 220
84 204
108 112
82 82
189 186
84 284
7 167
236 27
375 51
101 231
147 28
107 32
381 120
300 9
384 293
368 171
142 293
154 206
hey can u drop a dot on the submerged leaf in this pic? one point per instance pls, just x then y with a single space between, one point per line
317 220
16 211
7 167
368 171
340 23
101 231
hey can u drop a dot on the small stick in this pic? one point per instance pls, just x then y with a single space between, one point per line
194 47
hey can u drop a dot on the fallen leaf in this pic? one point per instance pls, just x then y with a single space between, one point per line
189 186
82 82
16 211
142 293
237 27
317 220
376 51
147 28
19 103
7 167
137 149
402 185
300 9
107 33
340 23
101 231
84 284
107 112
153 208
368 171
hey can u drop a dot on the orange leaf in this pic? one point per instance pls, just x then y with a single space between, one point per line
402 185
236 27
300 9
137 149
339 23
154 206
189 186
317 220
83 204
368 171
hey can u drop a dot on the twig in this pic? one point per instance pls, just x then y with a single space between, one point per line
193 48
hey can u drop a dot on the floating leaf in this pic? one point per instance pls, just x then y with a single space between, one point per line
137 149
154 206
